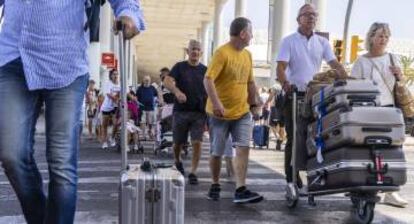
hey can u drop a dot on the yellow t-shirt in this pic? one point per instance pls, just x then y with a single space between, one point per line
231 71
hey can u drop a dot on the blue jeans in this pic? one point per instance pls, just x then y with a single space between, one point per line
19 110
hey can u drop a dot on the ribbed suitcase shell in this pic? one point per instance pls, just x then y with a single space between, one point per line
348 99
354 126
348 167
139 188
361 88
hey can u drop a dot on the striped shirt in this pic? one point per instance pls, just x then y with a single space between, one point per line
49 37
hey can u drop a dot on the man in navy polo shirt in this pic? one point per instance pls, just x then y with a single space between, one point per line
147 95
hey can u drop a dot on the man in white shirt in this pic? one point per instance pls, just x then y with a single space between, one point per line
299 58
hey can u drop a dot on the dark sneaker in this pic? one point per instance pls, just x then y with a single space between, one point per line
279 145
192 179
214 192
180 167
247 196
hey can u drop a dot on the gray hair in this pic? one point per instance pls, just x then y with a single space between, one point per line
303 7
193 42
372 30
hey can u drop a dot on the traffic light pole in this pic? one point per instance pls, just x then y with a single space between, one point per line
346 26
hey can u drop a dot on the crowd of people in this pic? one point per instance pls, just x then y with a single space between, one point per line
220 97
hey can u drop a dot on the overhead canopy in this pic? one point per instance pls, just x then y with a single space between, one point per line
170 25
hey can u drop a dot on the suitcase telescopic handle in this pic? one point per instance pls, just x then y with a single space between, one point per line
123 65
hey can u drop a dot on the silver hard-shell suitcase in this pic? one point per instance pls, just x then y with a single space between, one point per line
148 193
155 196
354 167
346 92
359 126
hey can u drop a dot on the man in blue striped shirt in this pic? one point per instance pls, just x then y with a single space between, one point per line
43 60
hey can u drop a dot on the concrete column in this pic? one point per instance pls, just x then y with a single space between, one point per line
205 41
105 28
105 40
199 34
280 28
321 8
94 55
218 23
240 8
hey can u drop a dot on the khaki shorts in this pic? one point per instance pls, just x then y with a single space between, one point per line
148 117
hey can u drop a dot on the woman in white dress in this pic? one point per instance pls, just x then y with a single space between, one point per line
384 69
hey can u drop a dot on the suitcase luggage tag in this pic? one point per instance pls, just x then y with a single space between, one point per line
320 144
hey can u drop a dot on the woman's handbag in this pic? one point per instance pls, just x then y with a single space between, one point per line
403 97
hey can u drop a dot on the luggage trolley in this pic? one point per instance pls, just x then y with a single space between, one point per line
363 197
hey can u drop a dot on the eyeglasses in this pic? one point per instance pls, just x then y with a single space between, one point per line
309 14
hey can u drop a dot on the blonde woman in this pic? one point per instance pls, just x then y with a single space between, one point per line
384 69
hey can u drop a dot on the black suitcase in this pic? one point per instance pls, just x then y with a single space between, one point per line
354 167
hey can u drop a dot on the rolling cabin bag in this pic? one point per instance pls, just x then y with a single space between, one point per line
261 135
148 193
153 196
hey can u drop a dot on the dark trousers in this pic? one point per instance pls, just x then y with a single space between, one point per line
301 130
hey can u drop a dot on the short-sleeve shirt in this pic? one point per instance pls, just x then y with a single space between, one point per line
231 71
189 80
363 68
112 89
146 96
304 57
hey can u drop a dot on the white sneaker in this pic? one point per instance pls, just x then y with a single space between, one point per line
135 147
104 145
128 149
112 142
291 190
395 199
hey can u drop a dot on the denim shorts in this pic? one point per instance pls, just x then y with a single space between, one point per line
240 131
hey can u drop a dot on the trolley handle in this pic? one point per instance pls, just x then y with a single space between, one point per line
124 71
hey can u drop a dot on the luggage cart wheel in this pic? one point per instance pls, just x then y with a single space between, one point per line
141 149
311 200
364 211
291 202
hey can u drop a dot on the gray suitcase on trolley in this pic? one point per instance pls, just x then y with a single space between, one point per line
346 93
152 197
359 126
354 167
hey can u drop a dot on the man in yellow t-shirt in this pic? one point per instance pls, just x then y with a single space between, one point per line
231 95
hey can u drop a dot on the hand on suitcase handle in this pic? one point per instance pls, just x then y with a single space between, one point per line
289 88
127 25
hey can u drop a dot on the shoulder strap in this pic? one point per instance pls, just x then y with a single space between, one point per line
381 74
391 59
